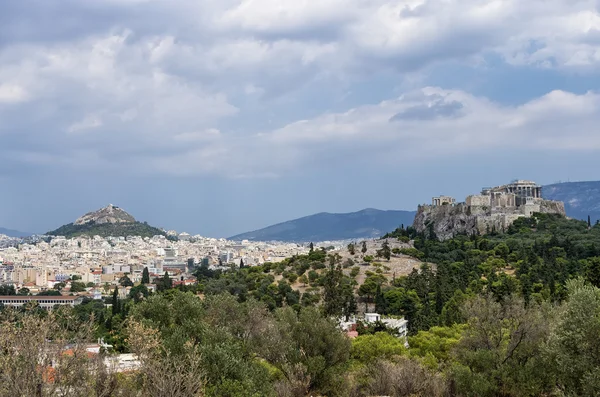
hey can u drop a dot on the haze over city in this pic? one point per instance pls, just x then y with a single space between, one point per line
222 117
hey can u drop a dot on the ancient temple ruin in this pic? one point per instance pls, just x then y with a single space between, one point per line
495 208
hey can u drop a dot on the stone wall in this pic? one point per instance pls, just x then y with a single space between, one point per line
478 200
451 220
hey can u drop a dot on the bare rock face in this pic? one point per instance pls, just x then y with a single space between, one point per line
108 214
446 221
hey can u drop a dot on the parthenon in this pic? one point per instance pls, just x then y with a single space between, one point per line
495 208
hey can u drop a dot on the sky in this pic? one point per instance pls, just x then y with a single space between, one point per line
217 117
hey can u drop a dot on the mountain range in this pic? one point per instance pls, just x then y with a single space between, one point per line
325 226
13 233
582 199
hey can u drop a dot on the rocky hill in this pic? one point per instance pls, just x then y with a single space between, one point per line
368 223
446 221
108 214
108 221
581 198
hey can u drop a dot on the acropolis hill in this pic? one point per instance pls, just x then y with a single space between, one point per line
495 209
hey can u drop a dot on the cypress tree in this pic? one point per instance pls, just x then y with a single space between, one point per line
115 302
145 276
241 263
167 282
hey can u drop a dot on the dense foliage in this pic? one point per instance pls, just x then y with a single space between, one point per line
514 314
122 229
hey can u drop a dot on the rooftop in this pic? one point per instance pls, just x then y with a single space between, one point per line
36 298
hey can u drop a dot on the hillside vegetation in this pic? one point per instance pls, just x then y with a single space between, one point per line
515 314
122 229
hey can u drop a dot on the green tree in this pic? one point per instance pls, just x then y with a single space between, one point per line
309 350
367 349
139 292
574 345
77 286
145 276
115 302
385 251
351 248
500 352
7 289
125 281
164 283
364 247
23 291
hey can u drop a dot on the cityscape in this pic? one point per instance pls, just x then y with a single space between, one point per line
284 198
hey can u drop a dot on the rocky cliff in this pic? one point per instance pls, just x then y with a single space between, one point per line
447 221
108 214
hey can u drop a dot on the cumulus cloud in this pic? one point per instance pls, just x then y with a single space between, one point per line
146 84
433 123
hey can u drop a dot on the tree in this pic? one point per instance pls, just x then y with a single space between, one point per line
500 352
115 302
139 292
574 345
145 276
369 348
309 350
311 247
332 298
364 247
164 283
385 251
29 355
303 279
7 289
380 302
163 373
23 291
351 248
125 281
241 263
50 292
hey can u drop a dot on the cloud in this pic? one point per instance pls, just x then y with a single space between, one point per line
12 93
192 87
89 122
432 123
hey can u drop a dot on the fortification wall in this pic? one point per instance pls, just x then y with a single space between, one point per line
450 220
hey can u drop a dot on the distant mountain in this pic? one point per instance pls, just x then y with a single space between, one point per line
108 221
581 198
368 223
14 233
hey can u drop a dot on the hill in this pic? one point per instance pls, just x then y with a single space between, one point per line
13 233
581 198
368 223
108 221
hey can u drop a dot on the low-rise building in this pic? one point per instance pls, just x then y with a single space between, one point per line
45 302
